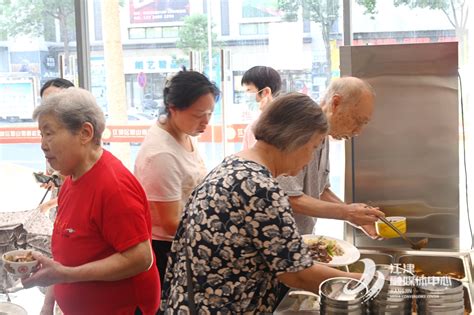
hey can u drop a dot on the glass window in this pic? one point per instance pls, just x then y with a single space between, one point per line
263 28
97 19
225 27
254 29
302 46
402 25
137 33
170 32
37 43
249 29
146 67
153 32
35 49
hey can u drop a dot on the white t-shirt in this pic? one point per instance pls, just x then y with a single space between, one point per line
167 171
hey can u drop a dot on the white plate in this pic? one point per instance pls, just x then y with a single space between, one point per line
8 308
351 253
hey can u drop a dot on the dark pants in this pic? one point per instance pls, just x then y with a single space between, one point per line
162 251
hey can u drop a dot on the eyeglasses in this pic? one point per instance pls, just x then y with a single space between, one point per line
258 92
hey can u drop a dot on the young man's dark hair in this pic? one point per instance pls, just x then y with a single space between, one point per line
58 82
263 77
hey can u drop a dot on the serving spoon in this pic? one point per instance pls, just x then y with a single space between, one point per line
415 245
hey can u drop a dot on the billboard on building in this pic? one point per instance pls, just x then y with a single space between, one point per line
156 11
259 9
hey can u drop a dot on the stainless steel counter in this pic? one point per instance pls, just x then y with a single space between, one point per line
427 262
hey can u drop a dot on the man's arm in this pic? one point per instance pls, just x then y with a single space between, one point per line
333 208
329 195
314 207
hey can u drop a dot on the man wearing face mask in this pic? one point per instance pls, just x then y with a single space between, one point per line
261 85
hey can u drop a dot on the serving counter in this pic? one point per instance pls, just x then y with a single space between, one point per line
458 265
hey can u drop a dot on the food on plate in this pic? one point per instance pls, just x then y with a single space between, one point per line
323 249
23 257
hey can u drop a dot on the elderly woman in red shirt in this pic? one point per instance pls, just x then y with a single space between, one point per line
102 258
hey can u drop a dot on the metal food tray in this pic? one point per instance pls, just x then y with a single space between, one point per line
432 263
428 261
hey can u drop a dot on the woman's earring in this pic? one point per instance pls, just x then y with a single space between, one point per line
162 119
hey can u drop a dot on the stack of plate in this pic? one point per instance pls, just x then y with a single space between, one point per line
395 296
439 295
336 299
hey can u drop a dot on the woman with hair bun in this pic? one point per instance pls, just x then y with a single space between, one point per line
168 164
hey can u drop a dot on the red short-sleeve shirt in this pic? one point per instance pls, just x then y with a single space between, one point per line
103 212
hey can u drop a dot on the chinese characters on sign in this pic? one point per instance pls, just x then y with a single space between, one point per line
156 11
119 133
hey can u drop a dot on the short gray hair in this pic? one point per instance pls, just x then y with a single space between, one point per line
290 121
350 89
73 107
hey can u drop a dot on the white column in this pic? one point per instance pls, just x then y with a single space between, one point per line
115 78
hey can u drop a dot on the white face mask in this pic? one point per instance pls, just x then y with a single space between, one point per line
250 99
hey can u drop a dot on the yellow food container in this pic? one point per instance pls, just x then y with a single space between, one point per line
385 231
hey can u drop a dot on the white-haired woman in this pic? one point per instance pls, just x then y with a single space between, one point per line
102 258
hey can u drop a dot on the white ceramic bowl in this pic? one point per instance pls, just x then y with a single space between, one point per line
18 268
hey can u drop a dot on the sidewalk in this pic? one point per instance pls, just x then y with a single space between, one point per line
18 188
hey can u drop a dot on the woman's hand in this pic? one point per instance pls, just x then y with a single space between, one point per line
49 272
118 266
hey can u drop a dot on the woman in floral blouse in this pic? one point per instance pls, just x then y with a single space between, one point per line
238 227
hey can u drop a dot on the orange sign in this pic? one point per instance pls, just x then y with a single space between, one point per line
23 134
113 133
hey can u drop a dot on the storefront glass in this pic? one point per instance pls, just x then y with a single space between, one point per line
160 37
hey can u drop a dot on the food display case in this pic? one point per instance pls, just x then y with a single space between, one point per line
458 265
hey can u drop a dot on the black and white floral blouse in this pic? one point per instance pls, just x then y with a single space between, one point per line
242 234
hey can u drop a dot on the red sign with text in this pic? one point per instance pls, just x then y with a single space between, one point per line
118 133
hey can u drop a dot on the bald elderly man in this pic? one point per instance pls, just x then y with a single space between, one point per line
348 105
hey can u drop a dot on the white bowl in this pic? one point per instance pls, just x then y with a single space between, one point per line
18 268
